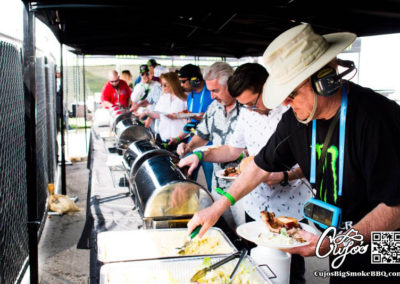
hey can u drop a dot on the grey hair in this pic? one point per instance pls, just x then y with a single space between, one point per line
220 70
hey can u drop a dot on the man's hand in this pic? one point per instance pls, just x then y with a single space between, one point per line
192 161
309 250
206 218
199 117
275 178
171 116
147 123
106 104
172 141
183 149
134 107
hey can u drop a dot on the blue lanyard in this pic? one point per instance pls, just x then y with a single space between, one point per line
342 134
201 100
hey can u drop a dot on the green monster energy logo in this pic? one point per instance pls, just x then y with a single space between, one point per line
334 152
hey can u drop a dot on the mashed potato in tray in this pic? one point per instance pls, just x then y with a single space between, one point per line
134 245
209 244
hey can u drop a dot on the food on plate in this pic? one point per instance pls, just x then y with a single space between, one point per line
244 163
234 172
230 172
286 226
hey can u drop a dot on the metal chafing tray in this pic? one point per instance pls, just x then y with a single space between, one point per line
177 270
116 246
165 197
130 130
136 150
121 116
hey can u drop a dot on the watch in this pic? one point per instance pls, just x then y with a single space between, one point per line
285 180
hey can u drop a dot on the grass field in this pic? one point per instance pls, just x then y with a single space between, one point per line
96 76
78 123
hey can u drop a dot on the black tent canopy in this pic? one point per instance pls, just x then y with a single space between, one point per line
160 28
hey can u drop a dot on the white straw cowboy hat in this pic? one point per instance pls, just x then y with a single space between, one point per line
294 56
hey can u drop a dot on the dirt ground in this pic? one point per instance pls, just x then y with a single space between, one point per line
59 259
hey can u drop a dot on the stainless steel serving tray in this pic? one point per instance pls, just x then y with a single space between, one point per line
162 270
117 246
136 150
130 130
120 117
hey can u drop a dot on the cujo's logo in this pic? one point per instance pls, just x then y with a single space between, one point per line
342 244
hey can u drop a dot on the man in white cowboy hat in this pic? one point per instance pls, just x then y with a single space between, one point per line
354 131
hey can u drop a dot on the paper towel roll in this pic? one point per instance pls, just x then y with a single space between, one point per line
277 260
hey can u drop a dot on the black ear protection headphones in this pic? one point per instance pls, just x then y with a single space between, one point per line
194 82
326 81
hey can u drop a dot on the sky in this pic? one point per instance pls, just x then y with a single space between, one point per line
378 61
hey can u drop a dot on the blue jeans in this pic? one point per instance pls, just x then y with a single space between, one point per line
208 172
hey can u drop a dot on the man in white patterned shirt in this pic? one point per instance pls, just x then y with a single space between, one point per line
217 125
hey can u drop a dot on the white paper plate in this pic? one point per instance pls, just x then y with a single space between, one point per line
206 148
187 115
250 231
220 174
160 112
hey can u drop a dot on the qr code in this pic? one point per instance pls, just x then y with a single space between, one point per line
385 247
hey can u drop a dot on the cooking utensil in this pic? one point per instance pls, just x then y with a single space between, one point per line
188 240
243 253
201 273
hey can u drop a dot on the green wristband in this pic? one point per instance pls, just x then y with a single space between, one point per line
226 194
178 139
199 155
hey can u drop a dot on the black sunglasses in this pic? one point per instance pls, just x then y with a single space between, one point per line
253 106
183 81
293 94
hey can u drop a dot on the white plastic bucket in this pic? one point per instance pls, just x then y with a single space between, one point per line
277 260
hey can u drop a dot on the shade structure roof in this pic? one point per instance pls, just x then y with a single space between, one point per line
162 28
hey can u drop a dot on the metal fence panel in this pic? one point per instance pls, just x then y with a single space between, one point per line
51 120
41 137
13 190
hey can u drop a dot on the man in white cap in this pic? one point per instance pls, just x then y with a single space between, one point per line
355 132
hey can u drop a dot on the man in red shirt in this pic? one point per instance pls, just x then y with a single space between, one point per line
115 92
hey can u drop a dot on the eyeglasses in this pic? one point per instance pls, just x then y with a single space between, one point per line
183 81
293 94
253 106
145 74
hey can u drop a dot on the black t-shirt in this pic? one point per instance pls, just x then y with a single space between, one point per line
371 157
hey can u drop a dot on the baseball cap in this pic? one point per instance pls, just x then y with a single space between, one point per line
152 62
190 71
143 69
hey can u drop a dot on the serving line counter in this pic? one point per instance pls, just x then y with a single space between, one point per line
109 203
131 196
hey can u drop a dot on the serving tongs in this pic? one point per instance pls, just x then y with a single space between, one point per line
188 240
201 273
